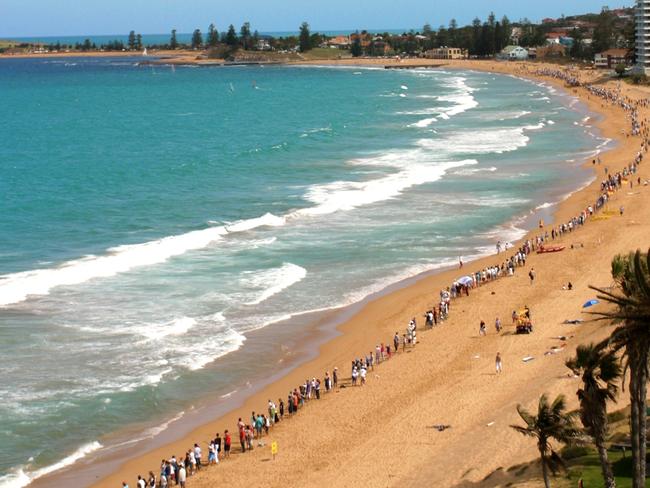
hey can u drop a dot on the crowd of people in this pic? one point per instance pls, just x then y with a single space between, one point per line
251 433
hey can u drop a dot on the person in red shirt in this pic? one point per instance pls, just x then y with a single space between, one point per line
226 444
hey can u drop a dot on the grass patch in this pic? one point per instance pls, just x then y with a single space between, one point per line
588 468
326 53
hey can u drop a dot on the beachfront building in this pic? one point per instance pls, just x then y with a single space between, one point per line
513 53
340 42
446 53
643 36
611 58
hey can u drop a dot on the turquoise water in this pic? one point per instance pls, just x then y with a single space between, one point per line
152 217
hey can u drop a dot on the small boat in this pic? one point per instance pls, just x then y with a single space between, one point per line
544 249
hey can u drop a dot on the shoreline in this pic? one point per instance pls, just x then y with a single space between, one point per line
348 335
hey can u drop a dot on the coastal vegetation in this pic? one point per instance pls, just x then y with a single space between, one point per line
552 423
631 338
580 37
600 367
599 370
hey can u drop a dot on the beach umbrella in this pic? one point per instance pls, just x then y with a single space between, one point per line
465 280
590 303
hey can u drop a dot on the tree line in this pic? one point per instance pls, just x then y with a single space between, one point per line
482 38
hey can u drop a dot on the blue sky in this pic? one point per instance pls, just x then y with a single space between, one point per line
80 17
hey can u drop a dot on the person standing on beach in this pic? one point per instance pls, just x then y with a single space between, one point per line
242 438
217 446
212 450
498 364
197 456
531 275
335 377
481 328
497 325
227 440
182 476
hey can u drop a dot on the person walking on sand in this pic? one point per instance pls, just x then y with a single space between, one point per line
498 364
481 329
497 325
531 275
396 341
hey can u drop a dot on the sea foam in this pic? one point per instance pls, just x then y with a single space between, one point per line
273 281
21 478
17 287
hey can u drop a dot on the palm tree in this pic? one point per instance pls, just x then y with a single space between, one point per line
600 369
551 422
632 337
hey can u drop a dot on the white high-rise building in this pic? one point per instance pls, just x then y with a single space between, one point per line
643 36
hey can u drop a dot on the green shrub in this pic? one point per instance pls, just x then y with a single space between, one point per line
573 452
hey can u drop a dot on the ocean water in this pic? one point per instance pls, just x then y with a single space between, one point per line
152 217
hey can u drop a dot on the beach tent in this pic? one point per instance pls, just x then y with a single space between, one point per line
465 280
590 303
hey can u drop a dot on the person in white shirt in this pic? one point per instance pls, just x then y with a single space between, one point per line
182 476
197 455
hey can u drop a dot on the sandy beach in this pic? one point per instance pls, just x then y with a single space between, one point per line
381 434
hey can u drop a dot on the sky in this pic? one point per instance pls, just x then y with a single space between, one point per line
24 18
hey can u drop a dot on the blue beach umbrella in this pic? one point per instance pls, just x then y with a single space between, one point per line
590 303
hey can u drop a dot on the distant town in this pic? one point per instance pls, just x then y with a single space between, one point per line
605 40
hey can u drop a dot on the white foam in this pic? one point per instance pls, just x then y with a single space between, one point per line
464 102
176 327
424 122
479 142
21 478
535 127
266 220
513 115
467 172
544 205
346 195
17 287
195 356
273 281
